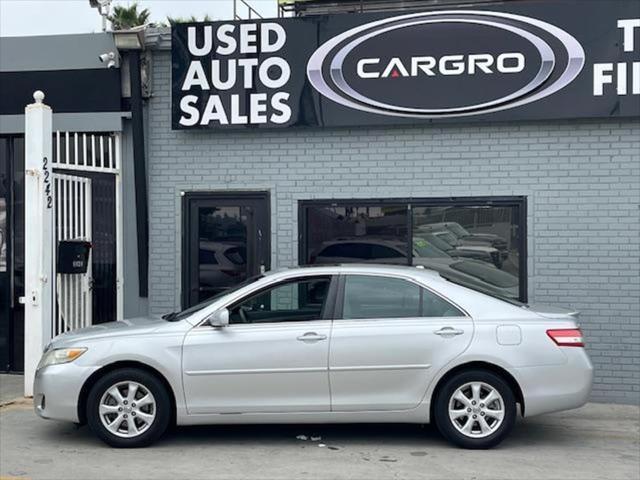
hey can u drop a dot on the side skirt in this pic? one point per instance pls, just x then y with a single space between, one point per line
417 415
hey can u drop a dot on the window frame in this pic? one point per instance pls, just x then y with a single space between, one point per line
328 309
520 202
340 297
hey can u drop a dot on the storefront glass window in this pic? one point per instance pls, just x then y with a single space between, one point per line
479 244
357 233
476 243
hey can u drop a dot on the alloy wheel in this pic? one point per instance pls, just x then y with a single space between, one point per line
127 409
476 409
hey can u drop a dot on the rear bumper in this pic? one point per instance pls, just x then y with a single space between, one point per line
56 390
553 388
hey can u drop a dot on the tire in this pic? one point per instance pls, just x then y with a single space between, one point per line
150 417
486 429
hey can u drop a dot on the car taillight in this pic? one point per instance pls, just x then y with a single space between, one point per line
567 337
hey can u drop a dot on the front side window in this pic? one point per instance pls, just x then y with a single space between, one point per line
293 301
175 316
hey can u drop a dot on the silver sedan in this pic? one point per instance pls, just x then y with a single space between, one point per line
350 343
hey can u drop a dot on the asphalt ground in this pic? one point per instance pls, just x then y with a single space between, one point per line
597 441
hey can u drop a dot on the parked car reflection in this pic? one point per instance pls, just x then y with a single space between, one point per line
222 265
447 242
460 236
478 275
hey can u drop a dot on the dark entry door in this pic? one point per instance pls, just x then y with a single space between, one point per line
6 339
11 253
226 240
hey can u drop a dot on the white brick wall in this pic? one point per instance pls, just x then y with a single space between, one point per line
581 179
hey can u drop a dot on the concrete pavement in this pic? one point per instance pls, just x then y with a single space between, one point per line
598 441
11 388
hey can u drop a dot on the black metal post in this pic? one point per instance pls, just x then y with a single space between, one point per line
140 173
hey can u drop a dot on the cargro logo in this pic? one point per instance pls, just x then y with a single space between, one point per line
445 64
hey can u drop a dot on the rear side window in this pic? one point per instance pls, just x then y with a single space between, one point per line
237 255
380 297
387 297
207 257
347 250
435 306
380 251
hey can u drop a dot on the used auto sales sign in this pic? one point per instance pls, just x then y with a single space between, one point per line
502 62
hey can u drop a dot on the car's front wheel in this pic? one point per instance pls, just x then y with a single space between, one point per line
475 409
128 408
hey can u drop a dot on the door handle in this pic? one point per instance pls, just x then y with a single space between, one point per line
311 337
448 331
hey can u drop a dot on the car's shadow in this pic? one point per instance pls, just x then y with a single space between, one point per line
527 433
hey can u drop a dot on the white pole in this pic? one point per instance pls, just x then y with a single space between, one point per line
39 244
119 231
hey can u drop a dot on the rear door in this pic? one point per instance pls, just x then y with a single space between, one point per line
389 338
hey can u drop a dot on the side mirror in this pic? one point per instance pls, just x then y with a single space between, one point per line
219 319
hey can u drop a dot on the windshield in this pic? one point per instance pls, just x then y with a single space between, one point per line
448 237
175 316
435 241
424 248
457 229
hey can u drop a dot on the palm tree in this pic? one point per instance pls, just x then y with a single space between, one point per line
124 18
193 18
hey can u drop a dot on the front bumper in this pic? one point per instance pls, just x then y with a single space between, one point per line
56 390
553 388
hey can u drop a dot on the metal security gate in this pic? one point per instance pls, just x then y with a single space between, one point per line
72 220
79 160
89 152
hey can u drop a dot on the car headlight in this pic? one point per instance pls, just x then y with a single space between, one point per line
60 355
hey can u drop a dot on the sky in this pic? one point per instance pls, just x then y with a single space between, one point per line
49 17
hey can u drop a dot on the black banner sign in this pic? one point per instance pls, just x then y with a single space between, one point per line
520 61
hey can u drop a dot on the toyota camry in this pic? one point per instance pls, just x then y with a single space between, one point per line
345 343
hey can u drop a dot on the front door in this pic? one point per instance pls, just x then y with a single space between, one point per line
271 358
11 253
389 338
226 241
5 251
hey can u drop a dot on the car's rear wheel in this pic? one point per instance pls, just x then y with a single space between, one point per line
475 409
128 408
